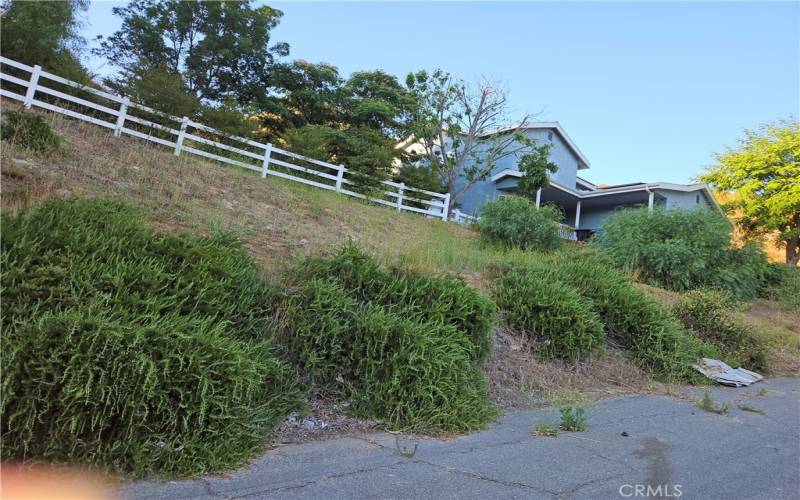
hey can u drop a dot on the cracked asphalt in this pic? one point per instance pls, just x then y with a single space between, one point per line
669 445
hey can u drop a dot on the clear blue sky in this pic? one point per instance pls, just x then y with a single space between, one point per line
648 91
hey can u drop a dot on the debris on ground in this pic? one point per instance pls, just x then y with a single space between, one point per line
326 419
725 375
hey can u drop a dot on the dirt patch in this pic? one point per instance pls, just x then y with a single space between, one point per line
327 419
519 380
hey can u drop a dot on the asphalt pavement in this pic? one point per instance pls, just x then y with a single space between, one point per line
639 446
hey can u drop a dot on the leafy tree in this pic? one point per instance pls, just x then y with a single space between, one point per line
463 131
377 99
535 167
44 33
310 94
220 49
764 172
160 88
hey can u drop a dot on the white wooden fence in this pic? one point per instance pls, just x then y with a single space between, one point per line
190 136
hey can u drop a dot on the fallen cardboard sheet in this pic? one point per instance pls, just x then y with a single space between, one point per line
725 375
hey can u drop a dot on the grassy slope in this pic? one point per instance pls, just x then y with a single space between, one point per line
280 219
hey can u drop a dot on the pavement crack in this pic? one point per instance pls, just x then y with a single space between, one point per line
485 478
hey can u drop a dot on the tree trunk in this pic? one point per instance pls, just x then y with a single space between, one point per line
793 251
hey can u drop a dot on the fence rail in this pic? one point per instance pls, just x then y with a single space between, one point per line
195 138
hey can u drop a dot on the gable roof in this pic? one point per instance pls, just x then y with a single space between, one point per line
545 125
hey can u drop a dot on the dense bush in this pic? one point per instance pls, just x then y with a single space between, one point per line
710 315
133 350
553 313
30 131
443 299
632 319
681 250
515 220
782 283
401 348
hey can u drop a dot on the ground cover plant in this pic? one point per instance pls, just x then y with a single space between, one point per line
681 250
782 283
400 347
517 222
132 350
553 313
710 315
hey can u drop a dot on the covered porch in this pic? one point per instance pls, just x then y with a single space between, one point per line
585 211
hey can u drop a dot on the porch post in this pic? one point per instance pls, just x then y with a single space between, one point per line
650 201
578 214
538 196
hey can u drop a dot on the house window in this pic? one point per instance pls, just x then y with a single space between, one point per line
697 199
550 136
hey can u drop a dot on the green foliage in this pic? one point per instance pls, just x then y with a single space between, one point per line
632 319
44 33
160 88
445 299
220 49
573 418
710 405
515 221
420 178
764 173
710 315
681 250
401 348
546 429
133 350
782 283
551 312
535 167
31 131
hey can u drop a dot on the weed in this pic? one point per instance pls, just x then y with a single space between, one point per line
573 418
751 409
546 429
710 405
404 450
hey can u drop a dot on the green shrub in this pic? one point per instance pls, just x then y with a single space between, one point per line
515 221
681 250
553 313
782 283
132 350
709 314
633 320
382 341
30 131
445 299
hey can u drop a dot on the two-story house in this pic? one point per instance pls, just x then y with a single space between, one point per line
585 204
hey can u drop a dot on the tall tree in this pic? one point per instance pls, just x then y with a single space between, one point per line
376 99
44 33
535 167
463 131
221 49
310 94
764 173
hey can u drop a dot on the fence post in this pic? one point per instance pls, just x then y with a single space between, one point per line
339 177
446 207
400 191
265 165
181 135
37 70
123 112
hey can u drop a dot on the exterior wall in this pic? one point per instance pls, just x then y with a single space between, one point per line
560 154
681 199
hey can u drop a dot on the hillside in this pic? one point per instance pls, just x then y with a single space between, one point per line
280 220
